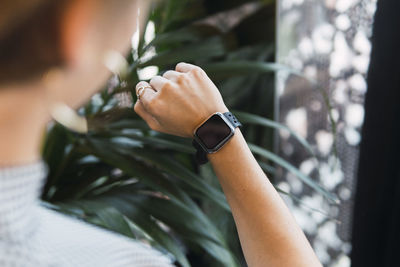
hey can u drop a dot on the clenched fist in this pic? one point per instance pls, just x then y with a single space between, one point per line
179 101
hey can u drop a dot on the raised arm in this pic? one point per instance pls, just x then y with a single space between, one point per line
177 103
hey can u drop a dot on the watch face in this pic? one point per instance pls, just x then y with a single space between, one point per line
213 131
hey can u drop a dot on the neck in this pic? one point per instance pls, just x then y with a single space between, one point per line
23 118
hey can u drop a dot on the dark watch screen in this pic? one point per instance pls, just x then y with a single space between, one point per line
213 131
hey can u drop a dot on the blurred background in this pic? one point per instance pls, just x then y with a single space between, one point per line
293 71
329 43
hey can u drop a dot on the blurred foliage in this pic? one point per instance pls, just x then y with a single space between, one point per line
146 185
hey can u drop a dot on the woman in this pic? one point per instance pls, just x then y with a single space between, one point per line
51 52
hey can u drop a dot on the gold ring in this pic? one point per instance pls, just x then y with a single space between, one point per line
141 89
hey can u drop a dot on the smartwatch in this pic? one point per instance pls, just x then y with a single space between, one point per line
213 134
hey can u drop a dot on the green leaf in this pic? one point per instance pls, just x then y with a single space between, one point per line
224 70
192 33
107 151
209 48
194 226
173 167
298 200
245 117
158 142
113 217
306 179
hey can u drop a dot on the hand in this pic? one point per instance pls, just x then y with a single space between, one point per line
180 100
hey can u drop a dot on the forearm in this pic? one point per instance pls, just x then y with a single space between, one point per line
267 231
176 104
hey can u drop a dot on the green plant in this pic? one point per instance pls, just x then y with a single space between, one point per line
146 185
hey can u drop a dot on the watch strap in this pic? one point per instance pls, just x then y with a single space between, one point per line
201 155
232 119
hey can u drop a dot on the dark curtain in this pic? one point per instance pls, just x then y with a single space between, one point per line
376 222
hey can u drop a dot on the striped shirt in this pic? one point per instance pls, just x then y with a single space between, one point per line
31 235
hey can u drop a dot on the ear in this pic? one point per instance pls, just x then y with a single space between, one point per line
75 28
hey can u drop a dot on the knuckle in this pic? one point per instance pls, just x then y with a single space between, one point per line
167 73
168 85
152 80
197 71
181 79
140 84
179 65
155 79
